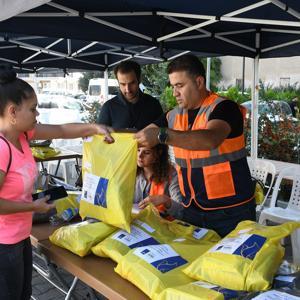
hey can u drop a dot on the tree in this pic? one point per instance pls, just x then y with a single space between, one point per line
156 80
215 71
84 80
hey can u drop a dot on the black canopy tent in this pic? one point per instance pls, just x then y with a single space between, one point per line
269 28
33 53
252 28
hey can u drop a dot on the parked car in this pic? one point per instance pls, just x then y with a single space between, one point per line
274 110
96 90
59 109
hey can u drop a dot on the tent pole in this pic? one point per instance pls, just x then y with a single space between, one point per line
254 109
106 78
243 76
208 65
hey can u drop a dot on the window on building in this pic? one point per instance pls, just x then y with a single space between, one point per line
238 82
285 81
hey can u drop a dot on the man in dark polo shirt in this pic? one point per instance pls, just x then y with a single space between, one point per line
131 108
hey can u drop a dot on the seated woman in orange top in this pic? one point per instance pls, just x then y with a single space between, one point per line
157 183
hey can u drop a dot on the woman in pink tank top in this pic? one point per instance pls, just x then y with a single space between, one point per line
18 124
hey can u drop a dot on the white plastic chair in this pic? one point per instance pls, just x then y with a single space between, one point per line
260 169
291 212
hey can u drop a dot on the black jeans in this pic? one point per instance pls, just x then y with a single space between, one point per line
223 220
16 271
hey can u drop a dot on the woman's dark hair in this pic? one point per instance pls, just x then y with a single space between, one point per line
12 89
162 166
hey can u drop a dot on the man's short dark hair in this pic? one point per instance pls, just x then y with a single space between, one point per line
189 63
128 66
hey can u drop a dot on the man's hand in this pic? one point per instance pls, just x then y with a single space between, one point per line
147 137
106 131
156 200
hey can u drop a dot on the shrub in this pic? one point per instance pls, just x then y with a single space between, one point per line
234 93
168 101
93 110
277 140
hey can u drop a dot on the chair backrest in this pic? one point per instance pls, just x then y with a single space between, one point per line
290 173
260 169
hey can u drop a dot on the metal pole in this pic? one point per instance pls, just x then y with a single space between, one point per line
106 79
254 109
243 76
208 66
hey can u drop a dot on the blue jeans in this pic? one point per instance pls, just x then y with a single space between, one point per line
222 221
16 271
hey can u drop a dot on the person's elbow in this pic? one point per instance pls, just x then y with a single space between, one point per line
214 143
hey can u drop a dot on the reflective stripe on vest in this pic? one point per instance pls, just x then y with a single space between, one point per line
217 181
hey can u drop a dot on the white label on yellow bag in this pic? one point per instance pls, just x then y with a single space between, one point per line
199 233
179 240
162 257
285 278
228 294
83 223
94 189
275 295
137 238
246 245
145 226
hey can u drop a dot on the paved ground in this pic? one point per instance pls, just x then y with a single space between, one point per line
43 290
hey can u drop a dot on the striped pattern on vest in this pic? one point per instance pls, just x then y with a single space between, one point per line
205 176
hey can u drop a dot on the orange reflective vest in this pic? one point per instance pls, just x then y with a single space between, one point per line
160 189
213 179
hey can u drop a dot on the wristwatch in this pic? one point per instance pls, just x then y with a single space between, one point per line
162 135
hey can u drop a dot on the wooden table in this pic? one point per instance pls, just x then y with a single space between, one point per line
98 273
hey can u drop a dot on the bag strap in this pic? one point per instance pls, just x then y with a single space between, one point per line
10 156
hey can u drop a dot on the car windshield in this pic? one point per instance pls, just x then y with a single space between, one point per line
113 90
94 90
272 107
72 105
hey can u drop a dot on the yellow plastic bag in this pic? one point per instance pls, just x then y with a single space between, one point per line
80 237
147 228
109 172
198 290
246 259
44 152
156 267
193 233
259 193
68 202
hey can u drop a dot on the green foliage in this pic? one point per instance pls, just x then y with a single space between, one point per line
168 101
93 110
286 93
235 94
156 80
84 80
277 140
215 71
